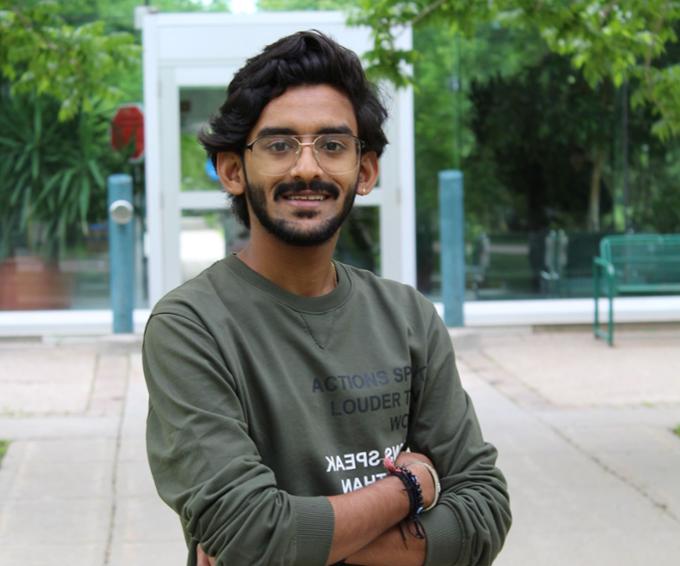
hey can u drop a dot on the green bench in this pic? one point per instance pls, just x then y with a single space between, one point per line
634 264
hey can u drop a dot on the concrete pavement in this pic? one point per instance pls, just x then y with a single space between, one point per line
583 431
74 485
585 439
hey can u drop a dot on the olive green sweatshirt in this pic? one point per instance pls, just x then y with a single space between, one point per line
263 402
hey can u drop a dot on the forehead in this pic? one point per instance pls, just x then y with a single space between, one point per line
308 109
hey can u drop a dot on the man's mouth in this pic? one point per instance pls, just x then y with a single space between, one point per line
307 197
316 191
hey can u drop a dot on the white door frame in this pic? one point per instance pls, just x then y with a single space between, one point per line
204 50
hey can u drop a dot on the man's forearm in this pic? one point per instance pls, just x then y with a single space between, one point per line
364 520
365 527
368 515
364 515
396 547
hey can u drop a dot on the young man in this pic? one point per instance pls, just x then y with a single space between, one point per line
280 380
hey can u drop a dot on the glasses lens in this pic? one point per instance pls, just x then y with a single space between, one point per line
274 155
335 153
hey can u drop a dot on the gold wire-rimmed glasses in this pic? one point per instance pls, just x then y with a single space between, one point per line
277 154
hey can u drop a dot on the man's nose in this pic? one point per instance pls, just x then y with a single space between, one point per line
306 166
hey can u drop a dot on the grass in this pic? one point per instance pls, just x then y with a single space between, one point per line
4 444
676 430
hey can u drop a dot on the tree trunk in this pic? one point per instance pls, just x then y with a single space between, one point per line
595 188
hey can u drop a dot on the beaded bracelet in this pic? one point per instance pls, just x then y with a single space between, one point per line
411 487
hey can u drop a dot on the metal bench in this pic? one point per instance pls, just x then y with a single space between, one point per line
634 264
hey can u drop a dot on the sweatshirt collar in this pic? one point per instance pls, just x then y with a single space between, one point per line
318 305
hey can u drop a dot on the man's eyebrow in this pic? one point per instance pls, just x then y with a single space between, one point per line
290 132
275 132
336 130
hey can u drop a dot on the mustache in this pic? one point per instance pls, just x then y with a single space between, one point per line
315 185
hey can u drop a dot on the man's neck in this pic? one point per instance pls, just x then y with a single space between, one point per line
305 271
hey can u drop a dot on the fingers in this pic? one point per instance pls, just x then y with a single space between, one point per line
405 458
202 559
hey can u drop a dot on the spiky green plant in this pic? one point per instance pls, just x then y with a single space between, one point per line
52 173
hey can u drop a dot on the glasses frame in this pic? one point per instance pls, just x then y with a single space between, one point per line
361 144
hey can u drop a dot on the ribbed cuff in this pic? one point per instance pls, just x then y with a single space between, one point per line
444 536
315 521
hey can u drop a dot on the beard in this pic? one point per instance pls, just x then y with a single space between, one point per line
286 230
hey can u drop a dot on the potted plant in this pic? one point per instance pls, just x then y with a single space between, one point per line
52 183
57 75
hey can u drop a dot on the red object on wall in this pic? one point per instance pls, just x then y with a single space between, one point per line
127 127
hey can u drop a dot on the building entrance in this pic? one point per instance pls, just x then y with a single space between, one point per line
188 61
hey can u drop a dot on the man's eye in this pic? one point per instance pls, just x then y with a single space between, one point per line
333 146
280 146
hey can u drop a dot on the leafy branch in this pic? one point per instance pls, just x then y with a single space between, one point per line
607 41
41 54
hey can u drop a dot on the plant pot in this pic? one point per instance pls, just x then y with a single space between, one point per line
32 283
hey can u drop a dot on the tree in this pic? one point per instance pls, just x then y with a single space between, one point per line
43 55
63 68
609 43
544 132
58 84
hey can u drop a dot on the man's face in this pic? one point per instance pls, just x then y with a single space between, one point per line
305 205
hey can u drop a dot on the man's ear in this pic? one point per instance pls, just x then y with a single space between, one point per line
368 172
230 170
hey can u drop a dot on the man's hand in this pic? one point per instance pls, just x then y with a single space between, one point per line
202 559
409 460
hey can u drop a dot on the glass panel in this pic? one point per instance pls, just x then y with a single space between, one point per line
196 106
531 265
359 242
207 237
526 265
77 279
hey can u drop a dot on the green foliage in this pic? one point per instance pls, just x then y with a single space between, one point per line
606 42
192 163
676 430
543 130
285 5
655 200
661 88
447 64
63 68
76 65
4 445
50 173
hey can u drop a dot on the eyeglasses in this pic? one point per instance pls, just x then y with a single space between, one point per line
278 154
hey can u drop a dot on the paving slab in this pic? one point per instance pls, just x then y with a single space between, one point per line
52 520
74 553
143 526
138 554
59 478
55 387
572 369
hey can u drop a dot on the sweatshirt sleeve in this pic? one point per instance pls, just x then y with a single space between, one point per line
206 466
469 524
